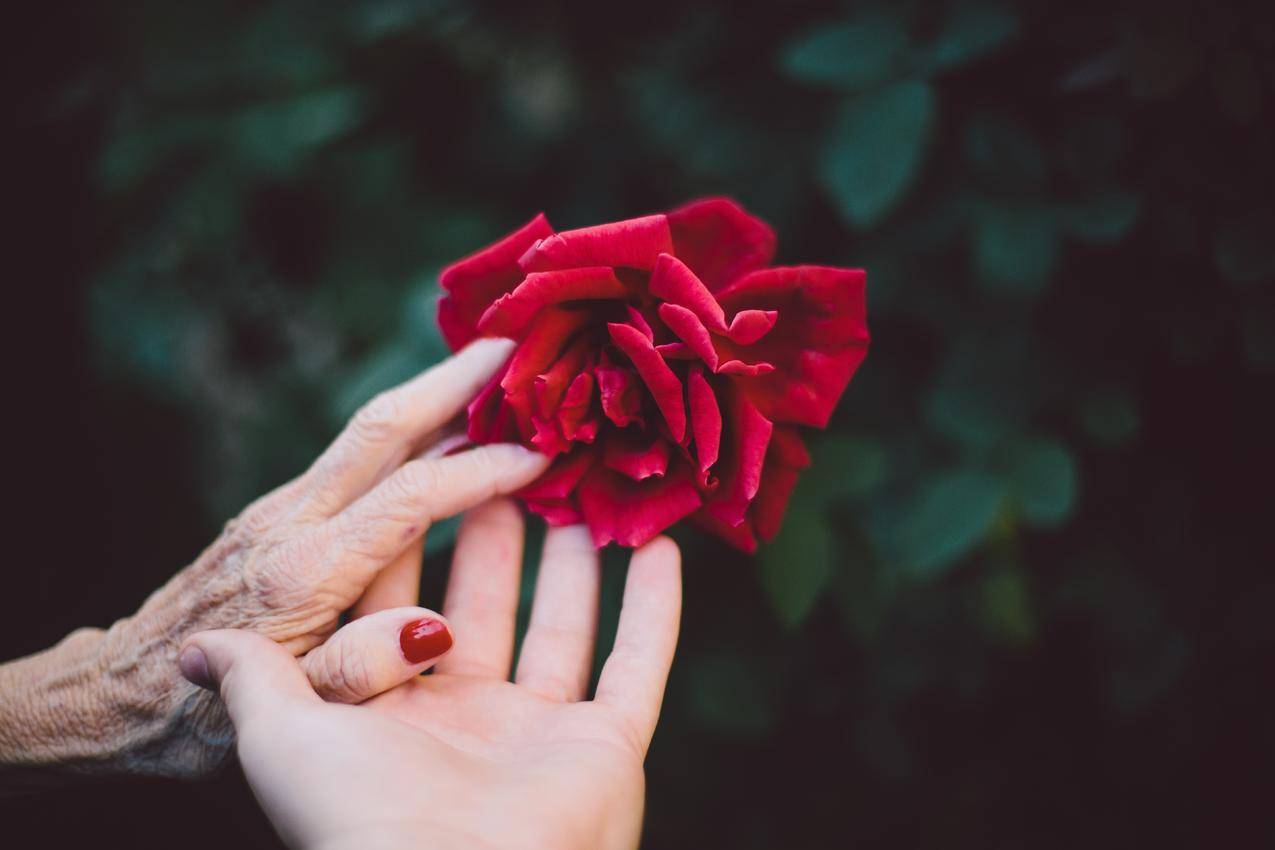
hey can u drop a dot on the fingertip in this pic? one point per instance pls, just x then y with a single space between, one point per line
518 464
426 638
194 667
662 548
487 352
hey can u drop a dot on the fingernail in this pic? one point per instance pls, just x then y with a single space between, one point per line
424 639
194 667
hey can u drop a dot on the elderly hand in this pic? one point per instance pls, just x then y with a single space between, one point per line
346 534
464 758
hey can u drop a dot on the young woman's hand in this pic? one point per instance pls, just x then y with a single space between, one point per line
345 534
466 758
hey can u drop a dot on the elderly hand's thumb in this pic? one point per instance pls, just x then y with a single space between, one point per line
252 673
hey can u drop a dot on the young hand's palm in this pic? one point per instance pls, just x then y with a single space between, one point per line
535 744
522 754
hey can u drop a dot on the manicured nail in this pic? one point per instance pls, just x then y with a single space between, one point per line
194 667
424 639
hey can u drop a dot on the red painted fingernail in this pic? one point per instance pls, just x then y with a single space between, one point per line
424 639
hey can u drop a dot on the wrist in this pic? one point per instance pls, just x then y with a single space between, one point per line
103 703
48 707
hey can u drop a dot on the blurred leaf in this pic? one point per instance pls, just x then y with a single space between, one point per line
844 465
1160 63
1245 248
1238 85
852 55
985 388
1006 607
973 31
876 148
1093 147
1042 481
275 136
729 693
948 517
134 154
1258 330
1004 155
797 565
376 19
862 591
1015 250
1103 219
1110 417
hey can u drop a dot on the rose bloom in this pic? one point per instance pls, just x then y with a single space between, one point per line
662 363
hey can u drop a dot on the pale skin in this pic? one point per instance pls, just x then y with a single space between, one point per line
465 758
419 761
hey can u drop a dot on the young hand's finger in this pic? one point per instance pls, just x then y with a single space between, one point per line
557 652
388 428
254 675
634 675
372 654
396 586
482 590
375 529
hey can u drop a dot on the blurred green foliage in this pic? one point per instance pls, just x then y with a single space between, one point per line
995 553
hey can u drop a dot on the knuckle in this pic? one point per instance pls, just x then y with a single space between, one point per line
415 480
484 465
360 539
380 419
345 675
277 582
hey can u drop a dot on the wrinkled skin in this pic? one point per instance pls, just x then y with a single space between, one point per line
346 534
466 757
662 363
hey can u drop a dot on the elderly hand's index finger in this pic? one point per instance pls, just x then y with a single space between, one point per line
388 428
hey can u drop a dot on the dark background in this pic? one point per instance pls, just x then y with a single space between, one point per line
1024 596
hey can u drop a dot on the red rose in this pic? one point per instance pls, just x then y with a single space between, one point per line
662 363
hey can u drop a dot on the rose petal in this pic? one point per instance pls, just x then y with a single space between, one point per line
488 415
690 330
631 513
520 405
636 454
634 243
510 313
619 389
819 339
555 513
665 387
706 422
587 432
787 448
738 367
471 284
825 306
740 536
560 480
748 326
719 241
748 434
639 321
674 283
549 387
676 351
548 439
547 335
786 457
575 408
